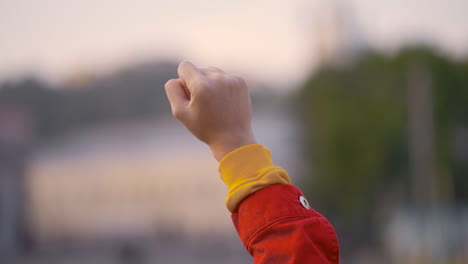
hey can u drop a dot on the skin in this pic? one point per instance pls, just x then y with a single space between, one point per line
214 106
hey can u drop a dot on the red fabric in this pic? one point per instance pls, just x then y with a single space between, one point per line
275 228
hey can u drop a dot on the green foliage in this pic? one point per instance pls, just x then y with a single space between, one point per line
355 122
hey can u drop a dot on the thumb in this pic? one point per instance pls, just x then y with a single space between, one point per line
177 96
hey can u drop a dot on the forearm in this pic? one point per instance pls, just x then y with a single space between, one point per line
272 217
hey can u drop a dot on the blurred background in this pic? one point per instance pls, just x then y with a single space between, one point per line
364 103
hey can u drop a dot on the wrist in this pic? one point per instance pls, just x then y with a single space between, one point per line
225 146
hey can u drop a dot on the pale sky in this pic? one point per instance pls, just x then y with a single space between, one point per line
270 41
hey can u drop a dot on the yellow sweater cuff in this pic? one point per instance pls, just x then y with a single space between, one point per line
248 169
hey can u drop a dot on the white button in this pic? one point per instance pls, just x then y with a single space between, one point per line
304 202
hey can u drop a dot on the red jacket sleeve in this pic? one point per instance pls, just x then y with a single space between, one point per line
276 225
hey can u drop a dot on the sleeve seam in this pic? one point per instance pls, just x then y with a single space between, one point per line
263 228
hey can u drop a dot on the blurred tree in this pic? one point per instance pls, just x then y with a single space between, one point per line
356 133
135 92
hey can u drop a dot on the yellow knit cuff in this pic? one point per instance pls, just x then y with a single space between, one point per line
248 169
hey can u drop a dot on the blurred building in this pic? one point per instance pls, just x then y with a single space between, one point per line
415 235
145 179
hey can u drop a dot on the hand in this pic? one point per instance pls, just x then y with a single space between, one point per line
214 106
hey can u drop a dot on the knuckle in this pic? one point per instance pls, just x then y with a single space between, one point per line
215 69
238 79
199 82
218 77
